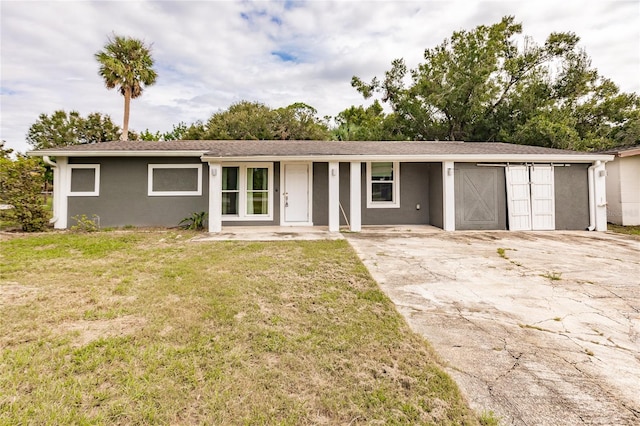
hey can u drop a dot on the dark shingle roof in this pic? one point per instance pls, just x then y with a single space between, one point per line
627 151
307 148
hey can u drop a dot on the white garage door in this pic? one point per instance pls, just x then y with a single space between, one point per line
530 197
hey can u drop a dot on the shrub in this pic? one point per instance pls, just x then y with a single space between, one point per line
21 183
196 221
85 224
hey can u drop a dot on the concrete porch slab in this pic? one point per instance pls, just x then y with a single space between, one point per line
271 233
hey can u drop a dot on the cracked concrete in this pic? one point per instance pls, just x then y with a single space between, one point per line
547 333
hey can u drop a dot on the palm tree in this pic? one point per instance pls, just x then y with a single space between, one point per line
126 63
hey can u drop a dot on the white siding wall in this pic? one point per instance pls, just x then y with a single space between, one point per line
630 190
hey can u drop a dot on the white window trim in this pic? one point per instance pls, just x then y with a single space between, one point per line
242 194
152 193
395 203
96 184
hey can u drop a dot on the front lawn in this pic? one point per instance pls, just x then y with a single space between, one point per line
150 328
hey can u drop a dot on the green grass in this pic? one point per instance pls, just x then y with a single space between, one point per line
552 276
149 328
629 230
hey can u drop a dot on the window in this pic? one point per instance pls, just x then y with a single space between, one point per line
175 179
383 185
247 192
84 180
230 190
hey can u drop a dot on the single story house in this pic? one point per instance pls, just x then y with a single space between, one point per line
623 186
450 185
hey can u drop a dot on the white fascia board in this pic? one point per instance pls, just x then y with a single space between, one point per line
458 158
155 153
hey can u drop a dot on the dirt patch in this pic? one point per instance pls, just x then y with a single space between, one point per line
14 293
88 331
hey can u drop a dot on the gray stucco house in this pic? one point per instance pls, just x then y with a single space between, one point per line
450 185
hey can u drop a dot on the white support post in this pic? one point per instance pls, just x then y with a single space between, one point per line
215 197
334 197
448 197
600 197
61 188
355 196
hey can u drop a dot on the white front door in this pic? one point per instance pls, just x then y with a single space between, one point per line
296 194
530 197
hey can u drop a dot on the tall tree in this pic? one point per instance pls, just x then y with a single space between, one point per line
247 120
367 124
299 121
490 83
126 63
65 129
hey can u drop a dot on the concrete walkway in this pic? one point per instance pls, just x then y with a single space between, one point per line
309 233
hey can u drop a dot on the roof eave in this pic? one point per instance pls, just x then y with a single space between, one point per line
116 153
461 158
629 153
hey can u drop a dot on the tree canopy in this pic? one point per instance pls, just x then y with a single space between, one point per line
64 129
126 63
253 120
489 84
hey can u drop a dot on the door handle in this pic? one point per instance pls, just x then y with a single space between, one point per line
286 199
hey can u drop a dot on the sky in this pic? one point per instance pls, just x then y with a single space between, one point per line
211 54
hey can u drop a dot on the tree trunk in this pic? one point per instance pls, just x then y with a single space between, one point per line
125 126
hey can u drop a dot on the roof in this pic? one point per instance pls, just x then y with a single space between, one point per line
629 151
277 150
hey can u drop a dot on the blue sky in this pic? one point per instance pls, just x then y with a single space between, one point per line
210 54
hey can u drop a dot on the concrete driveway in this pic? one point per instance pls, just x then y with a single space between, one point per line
542 328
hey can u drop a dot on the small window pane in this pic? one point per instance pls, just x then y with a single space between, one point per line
257 203
83 180
230 203
230 178
382 171
257 179
175 179
382 191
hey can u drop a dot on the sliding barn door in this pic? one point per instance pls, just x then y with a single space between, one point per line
530 197
542 198
518 198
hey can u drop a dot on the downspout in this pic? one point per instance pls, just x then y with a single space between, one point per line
54 166
591 173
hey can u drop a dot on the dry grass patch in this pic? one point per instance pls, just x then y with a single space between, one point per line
136 327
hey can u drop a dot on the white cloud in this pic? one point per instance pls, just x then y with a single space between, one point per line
210 54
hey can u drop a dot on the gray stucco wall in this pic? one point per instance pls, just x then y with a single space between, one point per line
321 194
436 217
572 197
123 198
414 189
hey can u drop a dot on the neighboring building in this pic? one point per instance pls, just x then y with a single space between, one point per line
623 186
450 185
